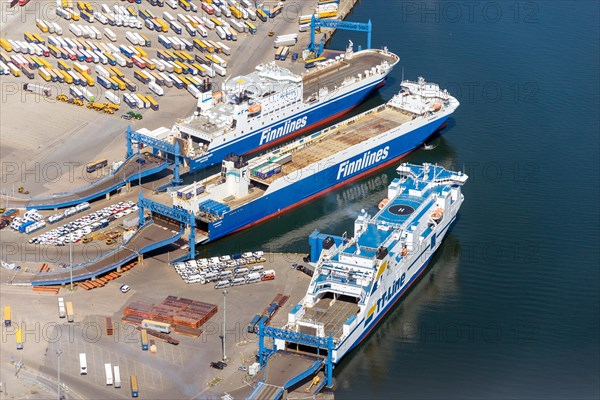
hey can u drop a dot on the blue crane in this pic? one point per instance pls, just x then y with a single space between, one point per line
336 24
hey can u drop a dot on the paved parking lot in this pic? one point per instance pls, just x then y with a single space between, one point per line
180 371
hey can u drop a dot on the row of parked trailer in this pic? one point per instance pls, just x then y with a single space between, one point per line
106 53
138 100
112 375
115 16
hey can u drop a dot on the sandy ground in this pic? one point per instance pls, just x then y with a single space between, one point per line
175 371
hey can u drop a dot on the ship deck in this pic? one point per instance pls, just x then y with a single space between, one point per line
334 75
343 138
332 314
335 141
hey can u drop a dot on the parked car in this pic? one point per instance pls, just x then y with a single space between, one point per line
218 364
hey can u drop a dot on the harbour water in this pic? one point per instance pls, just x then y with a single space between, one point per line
510 306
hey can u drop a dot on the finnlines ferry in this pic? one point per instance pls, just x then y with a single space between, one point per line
248 191
271 105
358 280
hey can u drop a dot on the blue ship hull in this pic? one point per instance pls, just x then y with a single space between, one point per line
301 191
318 115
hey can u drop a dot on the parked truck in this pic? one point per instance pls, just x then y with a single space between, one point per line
7 318
70 313
82 364
36 88
109 374
62 311
19 339
117 377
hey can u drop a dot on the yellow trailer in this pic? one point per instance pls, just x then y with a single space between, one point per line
5 45
235 12
66 75
19 339
7 319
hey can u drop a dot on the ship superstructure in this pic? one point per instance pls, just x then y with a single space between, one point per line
358 279
271 104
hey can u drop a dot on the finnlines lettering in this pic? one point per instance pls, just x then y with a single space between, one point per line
389 294
367 160
289 127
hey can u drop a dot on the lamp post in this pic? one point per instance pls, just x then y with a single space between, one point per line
58 353
71 264
224 323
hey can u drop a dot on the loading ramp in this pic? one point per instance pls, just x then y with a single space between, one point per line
136 167
284 370
151 236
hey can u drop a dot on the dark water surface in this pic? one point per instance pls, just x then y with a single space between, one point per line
510 305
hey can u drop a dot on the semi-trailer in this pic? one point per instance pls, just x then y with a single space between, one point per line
19 338
70 312
7 316
117 377
62 311
112 97
109 374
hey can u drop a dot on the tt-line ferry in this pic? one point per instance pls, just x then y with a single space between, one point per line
271 105
358 280
248 191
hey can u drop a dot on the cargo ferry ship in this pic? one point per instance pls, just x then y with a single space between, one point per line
272 105
248 191
358 280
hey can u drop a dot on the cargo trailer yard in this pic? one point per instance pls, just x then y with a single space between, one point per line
85 74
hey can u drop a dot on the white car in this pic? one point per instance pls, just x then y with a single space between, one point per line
124 288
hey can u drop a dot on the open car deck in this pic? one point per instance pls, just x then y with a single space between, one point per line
342 138
330 143
332 314
334 75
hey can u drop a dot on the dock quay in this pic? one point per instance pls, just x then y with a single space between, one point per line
186 365
58 131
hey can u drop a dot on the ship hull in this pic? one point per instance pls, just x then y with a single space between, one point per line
366 326
309 118
317 179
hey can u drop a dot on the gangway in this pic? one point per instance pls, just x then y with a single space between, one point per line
336 24
184 217
284 369
156 145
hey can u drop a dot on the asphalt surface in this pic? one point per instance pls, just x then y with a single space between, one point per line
131 168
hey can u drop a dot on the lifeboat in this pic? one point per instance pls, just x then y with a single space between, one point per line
254 109
437 214
383 203
437 107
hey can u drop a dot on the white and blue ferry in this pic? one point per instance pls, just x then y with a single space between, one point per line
271 105
248 191
358 280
